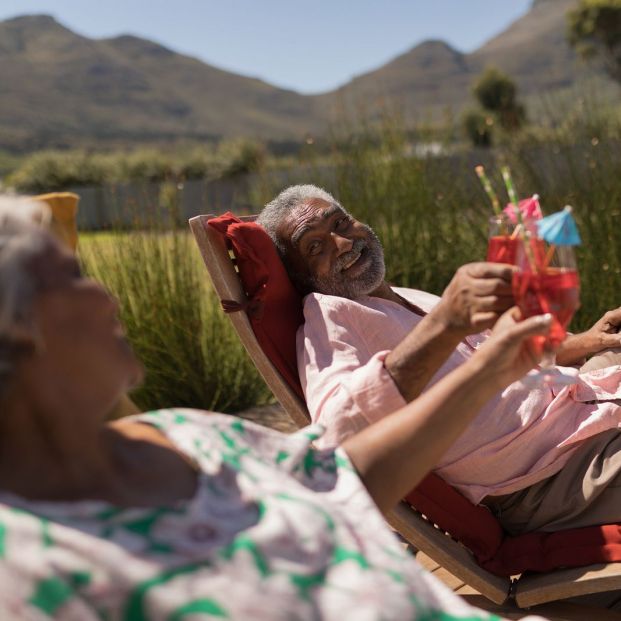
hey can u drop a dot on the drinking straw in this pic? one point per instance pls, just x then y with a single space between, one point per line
487 186
506 177
549 256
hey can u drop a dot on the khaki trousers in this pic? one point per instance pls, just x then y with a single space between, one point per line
587 491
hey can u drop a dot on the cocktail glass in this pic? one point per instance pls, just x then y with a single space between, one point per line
546 281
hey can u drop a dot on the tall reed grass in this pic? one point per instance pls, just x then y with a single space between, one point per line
431 212
174 322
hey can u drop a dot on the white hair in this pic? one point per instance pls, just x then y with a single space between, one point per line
289 199
22 238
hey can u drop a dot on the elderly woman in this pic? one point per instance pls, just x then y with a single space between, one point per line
176 514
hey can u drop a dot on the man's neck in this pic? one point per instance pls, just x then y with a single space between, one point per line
386 292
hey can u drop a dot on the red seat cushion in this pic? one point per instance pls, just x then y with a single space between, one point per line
576 547
275 309
276 313
506 555
472 525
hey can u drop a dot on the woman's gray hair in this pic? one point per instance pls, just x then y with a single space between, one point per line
21 240
278 209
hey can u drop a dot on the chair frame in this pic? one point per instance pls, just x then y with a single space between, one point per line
526 591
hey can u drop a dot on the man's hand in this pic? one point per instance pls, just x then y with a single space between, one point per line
605 332
476 297
603 335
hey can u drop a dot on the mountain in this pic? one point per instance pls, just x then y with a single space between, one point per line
430 74
534 49
62 89
433 76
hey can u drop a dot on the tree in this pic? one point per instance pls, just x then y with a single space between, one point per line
594 29
497 93
478 128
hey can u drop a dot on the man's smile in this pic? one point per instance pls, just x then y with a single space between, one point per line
351 261
357 263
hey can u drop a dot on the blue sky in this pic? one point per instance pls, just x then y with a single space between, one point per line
306 46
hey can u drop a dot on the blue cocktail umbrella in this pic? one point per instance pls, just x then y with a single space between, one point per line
559 229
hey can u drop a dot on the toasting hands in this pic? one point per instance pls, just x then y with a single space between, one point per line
476 297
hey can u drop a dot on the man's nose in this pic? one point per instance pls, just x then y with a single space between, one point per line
342 243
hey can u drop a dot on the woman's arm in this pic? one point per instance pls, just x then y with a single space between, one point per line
393 455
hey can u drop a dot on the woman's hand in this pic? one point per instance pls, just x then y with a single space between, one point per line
510 352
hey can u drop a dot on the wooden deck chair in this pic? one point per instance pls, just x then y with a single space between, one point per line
524 592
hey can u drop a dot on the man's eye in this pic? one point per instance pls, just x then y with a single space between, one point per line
342 223
314 247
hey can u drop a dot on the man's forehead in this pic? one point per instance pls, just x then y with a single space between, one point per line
309 215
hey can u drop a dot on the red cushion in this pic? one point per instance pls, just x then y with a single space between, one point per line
472 525
276 313
506 555
567 548
275 309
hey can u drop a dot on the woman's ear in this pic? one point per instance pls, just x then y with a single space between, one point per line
24 337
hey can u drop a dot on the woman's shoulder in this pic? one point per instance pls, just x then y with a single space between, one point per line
207 436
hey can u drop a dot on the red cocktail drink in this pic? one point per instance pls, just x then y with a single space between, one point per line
550 290
502 249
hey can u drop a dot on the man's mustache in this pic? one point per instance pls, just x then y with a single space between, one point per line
345 259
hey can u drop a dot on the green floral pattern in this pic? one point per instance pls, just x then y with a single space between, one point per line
276 530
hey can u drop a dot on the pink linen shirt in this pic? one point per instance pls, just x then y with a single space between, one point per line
520 437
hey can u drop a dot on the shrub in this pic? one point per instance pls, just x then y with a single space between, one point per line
60 170
237 157
477 127
49 171
497 94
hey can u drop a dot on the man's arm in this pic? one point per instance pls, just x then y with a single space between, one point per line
603 335
474 299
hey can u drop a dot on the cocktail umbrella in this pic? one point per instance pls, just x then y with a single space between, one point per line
559 229
529 208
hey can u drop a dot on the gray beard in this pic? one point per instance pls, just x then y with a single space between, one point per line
339 283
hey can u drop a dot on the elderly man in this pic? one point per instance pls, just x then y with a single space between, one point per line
367 348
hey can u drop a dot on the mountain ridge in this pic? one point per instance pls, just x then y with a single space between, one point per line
62 88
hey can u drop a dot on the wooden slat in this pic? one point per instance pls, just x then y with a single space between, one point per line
452 582
426 561
448 553
228 287
563 583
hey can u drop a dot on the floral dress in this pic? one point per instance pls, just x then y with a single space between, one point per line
276 530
